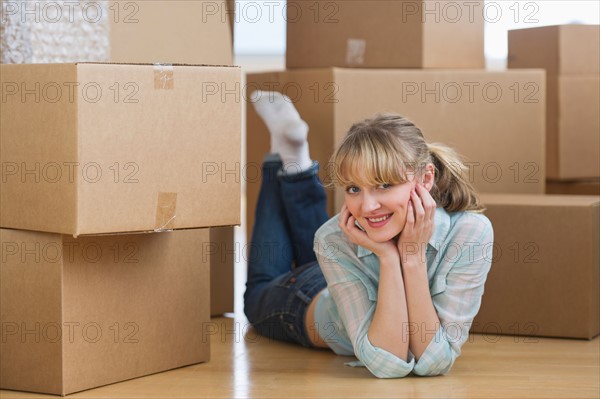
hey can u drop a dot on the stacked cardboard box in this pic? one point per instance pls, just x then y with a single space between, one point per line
544 277
175 31
385 34
109 148
82 312
570 54
99 163
181 31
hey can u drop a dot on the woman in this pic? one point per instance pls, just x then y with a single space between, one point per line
397 276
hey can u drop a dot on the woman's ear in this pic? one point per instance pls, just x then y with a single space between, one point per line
428 177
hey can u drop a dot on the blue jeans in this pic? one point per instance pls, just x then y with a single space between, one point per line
283 273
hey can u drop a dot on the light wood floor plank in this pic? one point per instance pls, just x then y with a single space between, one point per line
245 365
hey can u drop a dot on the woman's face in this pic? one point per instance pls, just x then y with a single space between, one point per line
380 210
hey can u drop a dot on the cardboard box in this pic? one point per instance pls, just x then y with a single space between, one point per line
585 187
85 312
105 148
573 133
222 255
385 34
561 49
175 31
544 275
570 54
502 139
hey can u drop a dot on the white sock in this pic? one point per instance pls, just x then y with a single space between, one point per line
288 131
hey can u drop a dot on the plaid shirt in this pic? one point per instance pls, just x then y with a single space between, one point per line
458 260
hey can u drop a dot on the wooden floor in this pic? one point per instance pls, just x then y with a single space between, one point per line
245 365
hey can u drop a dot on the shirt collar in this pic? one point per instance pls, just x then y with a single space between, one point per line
442 226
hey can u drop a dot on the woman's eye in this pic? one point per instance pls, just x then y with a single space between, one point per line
352 190
384 186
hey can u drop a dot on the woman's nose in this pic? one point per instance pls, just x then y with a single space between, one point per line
369 204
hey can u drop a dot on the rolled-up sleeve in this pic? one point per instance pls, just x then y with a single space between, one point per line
437 358
381 363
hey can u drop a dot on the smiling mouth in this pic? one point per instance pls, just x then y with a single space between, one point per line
379 221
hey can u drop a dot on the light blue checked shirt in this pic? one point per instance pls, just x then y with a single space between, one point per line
458 260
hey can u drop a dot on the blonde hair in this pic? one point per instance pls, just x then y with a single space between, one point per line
388 147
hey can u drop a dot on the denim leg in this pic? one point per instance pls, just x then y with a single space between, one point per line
270 254
276 297
282 304
305 204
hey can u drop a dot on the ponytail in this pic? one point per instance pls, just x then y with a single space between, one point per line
452 189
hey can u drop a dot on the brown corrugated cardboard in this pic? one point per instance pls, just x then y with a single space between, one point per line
222 256
385 34
104 148
544 276
80 313
584 187
570 54
495 119
576 134
174 31
560 49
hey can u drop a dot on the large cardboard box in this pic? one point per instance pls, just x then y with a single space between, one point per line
560 49
385 34
104 148
495 119
545 266
222 254
571 56
175 31
573 133
85 312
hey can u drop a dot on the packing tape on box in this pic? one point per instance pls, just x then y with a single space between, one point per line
163 77
355 51
166 211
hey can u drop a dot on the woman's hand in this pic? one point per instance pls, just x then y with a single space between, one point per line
419 226
357 236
